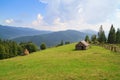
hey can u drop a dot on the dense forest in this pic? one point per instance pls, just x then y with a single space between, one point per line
10 48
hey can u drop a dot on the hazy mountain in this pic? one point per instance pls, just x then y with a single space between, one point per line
9 32
19 34
89 31
54 38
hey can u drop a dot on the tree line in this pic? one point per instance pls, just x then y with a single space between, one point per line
112 38
10 48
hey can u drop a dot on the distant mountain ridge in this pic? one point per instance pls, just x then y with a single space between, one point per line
54 38
20 34
89 31
10 32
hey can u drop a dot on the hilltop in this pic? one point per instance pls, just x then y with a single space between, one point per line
63 63
10 32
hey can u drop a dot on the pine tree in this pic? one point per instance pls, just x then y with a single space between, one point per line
101 35
94 38
87 39
19 50
118 36
2 52
112 35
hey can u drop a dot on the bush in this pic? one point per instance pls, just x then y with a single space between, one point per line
43 46
29 46
67 42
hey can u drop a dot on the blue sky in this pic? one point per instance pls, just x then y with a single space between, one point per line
60 14
23 11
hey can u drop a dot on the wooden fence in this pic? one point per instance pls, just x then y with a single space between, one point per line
111 47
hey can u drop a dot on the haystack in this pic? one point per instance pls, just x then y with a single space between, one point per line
26 52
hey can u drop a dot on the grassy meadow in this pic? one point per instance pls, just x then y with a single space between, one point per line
63 63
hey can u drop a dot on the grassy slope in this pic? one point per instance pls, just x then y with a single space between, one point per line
63 63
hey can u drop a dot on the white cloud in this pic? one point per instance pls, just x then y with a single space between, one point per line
39 21
9 21
93 11
118 13
58 25
43 1
80 14
116 19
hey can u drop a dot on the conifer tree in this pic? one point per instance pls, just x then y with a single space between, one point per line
94 38
2 52
101 35
118 36
112 35
87 39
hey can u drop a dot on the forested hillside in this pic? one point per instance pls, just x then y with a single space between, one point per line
54 38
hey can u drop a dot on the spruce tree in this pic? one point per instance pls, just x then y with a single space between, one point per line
101 35
94 38
87 39
2 52
112 35
118 36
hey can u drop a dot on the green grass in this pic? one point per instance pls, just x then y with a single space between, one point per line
63 63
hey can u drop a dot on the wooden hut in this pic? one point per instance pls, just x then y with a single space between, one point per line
82 45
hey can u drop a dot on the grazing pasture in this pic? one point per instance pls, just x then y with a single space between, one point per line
63 63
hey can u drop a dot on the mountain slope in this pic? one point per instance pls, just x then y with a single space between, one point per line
54 38
89 31
8 32
63 63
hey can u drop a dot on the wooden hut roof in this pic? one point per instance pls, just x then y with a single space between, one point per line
84 43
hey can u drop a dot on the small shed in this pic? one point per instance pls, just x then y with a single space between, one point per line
82 45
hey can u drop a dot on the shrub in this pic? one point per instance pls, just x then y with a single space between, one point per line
43 46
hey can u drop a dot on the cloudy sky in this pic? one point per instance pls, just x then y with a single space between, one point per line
58 15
